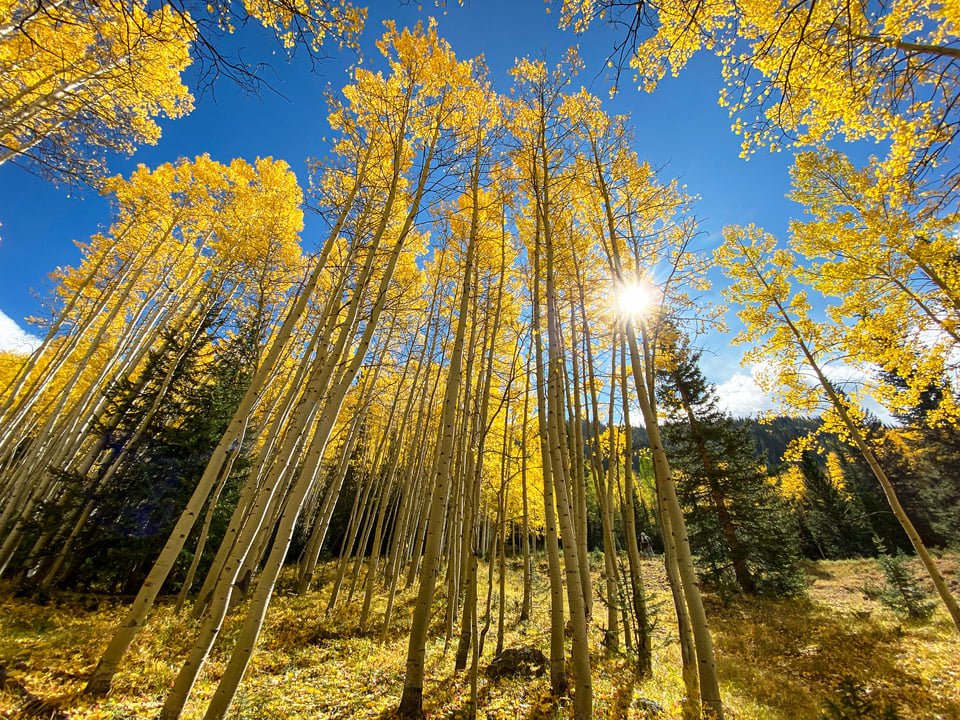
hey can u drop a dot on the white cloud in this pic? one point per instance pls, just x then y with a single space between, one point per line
14 338
740 395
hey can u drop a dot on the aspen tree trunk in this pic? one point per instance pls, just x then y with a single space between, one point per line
468 633
13 429
250 630
474 650
527 579
318 534
373 511
502 565
577 585
605 501
417 453
473 471
489 548
638 592
45 454
394 462
558 677
137 334
423 500
116 462
404 486
349 540
13 412
412 484
475 460
949 601
411 702
706 667
688 651
275 449
580 479
331 495
374 559
464 462
205 528
39 446
224 588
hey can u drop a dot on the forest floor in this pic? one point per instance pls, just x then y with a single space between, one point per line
777 659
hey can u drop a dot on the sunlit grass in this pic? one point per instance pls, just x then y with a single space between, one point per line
777 660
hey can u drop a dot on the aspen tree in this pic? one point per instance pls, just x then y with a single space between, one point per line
527 558
367 82
413 479
638 592
168 248
805 73
639 196
411 51
80 78
558 680
537 130
478 124
779 317
493 235
890 264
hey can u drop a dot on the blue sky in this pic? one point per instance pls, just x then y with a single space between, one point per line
681 126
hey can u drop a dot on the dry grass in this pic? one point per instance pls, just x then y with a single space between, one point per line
778 660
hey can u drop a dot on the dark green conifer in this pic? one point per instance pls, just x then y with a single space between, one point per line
737 522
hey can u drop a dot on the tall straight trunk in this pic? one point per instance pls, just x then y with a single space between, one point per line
415 461
205 528
411 702
577 585
688 650
318 533
412 491
348 371
474 440
558 677
502 557
706 665
469 465
605 501
644 381
579 477
638 592
525 520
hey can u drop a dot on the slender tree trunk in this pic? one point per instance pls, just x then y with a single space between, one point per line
638 592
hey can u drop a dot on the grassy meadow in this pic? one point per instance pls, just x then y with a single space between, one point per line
777 659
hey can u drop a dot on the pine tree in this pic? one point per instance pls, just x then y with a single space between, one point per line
933 451
139 503
737 520
837 528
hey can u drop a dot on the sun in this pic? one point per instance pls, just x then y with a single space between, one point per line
634 299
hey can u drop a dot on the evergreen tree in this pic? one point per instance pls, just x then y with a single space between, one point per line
835 527
161 464
773 436
737 521
933 450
